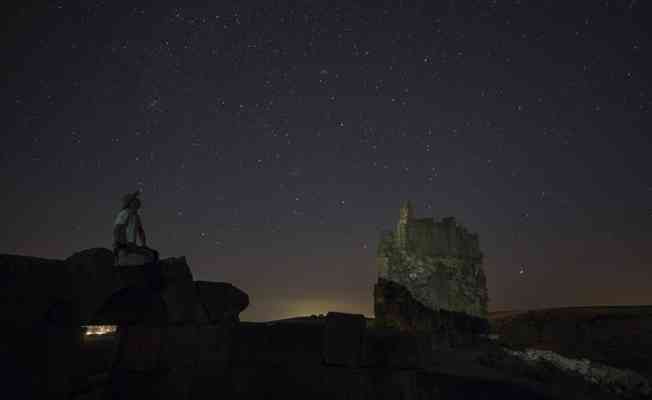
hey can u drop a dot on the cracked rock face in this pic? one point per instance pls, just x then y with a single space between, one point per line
438 262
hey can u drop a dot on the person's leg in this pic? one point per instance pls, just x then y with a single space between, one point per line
156 255
133 255
150 255
131 259
152 268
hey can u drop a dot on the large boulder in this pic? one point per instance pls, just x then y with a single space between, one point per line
92 279
395 307
40 339
178 292
343 335
222 301
159 294
28 287
388 348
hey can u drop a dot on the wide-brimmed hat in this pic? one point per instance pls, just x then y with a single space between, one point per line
128 198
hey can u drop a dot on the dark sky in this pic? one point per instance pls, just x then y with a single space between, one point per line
274 141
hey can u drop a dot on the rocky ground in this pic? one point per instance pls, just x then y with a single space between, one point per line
608 347
177 338
616 336
483 369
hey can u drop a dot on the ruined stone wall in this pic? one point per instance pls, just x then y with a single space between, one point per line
421 236
439 262
427 237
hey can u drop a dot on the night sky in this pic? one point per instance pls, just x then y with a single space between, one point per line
273 142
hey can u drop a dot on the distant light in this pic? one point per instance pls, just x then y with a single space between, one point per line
97 330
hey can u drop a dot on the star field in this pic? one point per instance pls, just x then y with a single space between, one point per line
273 141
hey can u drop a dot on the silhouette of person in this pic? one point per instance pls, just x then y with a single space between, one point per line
128 227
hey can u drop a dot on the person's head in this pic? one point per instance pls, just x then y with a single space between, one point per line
131 201
134 204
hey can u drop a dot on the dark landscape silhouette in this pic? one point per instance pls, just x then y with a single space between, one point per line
343 199
89 328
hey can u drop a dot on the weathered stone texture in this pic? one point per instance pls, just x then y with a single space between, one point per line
440 263
395 307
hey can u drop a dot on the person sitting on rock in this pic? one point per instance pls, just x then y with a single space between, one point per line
127 227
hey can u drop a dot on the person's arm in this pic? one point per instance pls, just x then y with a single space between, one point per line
141 231
120 229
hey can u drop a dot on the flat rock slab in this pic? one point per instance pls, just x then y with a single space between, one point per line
390 348
277 344
343 339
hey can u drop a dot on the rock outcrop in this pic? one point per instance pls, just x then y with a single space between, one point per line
440 263
173 334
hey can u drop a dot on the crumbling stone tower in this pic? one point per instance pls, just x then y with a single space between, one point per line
439 262
406 216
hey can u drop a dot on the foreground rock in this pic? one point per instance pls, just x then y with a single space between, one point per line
341 356
620 337
171 330
177 338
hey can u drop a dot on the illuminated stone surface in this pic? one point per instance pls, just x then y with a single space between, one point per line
439 262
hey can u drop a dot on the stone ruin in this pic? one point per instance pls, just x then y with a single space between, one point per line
438 262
